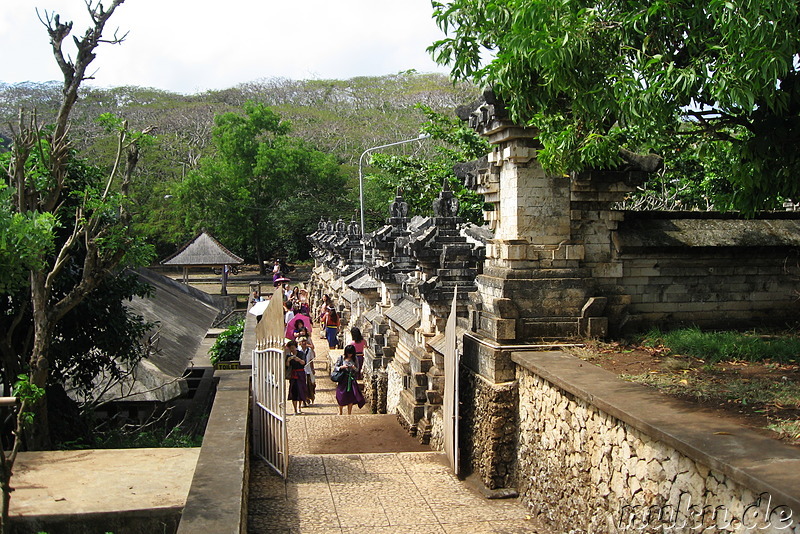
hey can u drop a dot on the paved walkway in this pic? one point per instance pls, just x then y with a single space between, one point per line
329 490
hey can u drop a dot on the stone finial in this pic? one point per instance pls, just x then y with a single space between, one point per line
341 228
353 229
446 205
321 224
399 208
329 226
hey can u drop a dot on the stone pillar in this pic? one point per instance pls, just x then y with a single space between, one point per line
533 286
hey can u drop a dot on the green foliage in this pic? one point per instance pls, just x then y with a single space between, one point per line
27 393
421 176
722 346
101 336
263 189
25 240
228 345
597 76
98 334
340 118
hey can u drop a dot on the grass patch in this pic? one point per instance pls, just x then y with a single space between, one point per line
720 346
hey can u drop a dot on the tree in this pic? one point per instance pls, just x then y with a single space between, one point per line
599 78
91 235
421 176
82 230
263 187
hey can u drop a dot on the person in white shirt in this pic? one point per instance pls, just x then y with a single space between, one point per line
306 352
288 314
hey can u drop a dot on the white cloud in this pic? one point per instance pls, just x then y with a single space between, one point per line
192 46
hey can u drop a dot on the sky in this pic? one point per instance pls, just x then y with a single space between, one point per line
190 46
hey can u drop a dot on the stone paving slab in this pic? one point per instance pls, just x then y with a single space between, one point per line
386 482
376 493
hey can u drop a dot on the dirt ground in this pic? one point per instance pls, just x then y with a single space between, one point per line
636 360
378 434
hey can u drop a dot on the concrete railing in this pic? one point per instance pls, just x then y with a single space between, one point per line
217 500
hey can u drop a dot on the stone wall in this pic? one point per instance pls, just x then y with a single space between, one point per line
588 471
487 439
706 269
563 261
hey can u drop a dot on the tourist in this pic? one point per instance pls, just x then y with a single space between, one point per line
359 343
290 326
332 324
306 352
348 391
277 274
323 310
299 329
295 367
288 312
301 332
302 296
256 297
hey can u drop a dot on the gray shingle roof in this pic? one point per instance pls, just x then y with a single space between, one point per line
203 250
403 313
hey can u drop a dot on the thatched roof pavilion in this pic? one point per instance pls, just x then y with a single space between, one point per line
203 251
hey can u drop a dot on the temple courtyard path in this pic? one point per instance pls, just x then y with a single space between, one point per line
364 474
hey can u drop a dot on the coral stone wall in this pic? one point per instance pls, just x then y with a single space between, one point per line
394 387
488 427
588 472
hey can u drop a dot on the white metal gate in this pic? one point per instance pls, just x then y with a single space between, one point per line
450 406
269 409
270 441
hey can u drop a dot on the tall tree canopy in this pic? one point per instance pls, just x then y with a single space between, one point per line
597 76
263 191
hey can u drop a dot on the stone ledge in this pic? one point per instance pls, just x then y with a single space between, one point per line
758 462
217 500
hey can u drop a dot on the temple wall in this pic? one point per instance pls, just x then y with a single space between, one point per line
595 455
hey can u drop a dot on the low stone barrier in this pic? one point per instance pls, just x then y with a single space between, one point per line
217 500
596 454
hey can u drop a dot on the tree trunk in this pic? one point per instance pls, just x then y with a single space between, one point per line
5 485
256 236
37 435
262 270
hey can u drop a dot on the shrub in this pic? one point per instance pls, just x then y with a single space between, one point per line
718 346
228 344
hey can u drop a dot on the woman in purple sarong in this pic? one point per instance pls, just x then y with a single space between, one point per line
298 393
348 391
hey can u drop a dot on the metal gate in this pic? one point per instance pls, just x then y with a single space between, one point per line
270 441
450 406
269 409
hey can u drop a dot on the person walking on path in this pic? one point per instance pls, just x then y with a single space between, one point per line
306 352
292 325
348 391
295 368
332 324
323 313
359 343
